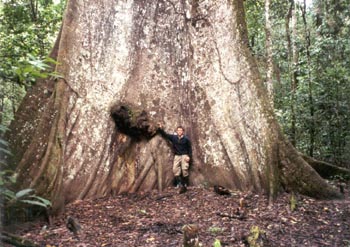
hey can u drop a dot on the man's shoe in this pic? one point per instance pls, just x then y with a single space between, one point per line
178 182
183 189
185 181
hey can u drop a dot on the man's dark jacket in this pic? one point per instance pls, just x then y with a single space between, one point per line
181 145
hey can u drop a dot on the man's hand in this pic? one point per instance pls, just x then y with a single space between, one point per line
187 159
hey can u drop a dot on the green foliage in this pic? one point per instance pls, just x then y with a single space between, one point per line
10 199
217 243
26 196
322 121
256 236
34 68
215 230
293 202
3 144
255 22
27 33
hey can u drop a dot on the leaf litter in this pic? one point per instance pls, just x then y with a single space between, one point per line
156 219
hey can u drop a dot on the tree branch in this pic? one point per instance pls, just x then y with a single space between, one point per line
16 240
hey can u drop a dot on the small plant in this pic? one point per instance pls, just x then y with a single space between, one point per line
293 202
28 196
256 237
217 243
215 230
6 177
15 200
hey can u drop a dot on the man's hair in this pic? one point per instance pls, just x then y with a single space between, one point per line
180 127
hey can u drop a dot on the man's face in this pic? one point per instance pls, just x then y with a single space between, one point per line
180 132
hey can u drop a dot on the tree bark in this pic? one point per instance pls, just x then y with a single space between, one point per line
178 62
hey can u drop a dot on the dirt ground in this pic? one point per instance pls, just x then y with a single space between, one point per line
157 219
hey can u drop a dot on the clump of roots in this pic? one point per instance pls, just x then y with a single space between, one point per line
133 122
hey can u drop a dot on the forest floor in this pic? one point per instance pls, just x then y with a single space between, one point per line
157 219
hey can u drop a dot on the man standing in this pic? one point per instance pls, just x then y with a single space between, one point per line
183 153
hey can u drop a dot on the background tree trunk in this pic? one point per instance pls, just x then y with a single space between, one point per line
293 63
1 107
178 62
312 124
269 52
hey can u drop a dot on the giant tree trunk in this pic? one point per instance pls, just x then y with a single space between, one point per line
177 62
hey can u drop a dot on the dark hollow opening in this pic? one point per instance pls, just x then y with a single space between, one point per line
132 122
